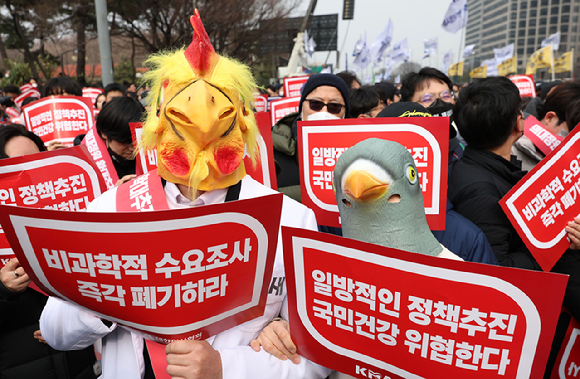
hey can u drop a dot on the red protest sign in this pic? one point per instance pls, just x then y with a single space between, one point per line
59 118
65 179
28 93
264 171
540 136
293 86
92 93
261 103
188 288
567 364
370 311
320 143
100 154
544 201
283 107
525 84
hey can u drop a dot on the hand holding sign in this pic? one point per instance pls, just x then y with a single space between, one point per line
193 360
13 277
276 340
573 230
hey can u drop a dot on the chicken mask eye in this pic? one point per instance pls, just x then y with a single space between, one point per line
411 174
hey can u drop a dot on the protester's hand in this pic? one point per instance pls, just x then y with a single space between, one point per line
13 276
193 360
275 339
124 179
38 336
55 145
573 230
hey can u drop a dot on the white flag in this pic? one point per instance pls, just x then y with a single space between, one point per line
358 48
400 52
398 79
309 44
447 61
491 67
382 42
363 59
468 51
554 39
456 16
503 54
430 46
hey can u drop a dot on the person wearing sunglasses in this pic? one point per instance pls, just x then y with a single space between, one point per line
324 97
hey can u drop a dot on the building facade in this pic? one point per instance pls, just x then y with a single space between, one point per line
497 23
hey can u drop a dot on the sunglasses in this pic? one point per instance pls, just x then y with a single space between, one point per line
317 105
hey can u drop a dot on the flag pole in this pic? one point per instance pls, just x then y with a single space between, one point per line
459 55
552 61
572 64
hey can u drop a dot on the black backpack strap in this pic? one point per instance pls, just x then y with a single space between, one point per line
234 192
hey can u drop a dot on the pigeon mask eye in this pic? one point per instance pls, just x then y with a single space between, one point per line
411 174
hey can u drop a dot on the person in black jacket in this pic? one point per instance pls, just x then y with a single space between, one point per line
488 117
22 353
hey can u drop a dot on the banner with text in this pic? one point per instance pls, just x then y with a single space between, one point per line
283 107
540 136
65 179
293 85
261 103
59 118
525 84
92 93
264 171
567 364
320 144
545 200
192 288
371 311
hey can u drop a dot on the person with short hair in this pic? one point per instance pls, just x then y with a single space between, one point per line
350 79
488 117
114 90
12 91
365 102
392 94
61 86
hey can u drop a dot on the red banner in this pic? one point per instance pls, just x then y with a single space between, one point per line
59 118
28 93
98 150
167 285
525 84
261 103
66 179
283 107
542 138
320 143
264 171
544 201
92 93
293 86
370 311
567 364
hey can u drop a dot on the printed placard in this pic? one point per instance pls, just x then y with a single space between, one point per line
261 103
525 84
28 93
567 364
191 288
92 93
320 144
293 85
374 312
264 171
545 200
96 146
542 138
59 118
65 179
283 107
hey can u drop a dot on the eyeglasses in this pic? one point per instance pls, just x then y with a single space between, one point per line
429 98
317 105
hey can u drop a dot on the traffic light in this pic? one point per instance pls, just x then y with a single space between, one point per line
348 10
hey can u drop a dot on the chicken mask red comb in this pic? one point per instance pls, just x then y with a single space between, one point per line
200 53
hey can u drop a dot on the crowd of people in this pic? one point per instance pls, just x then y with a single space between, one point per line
488 155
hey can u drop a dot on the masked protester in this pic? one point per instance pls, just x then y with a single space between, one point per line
324 97
434 90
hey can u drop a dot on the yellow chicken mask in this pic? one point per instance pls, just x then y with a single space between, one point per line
202 124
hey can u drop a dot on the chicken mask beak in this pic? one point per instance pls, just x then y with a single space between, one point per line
201 142
363 187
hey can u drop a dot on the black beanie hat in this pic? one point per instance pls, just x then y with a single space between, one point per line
332 80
